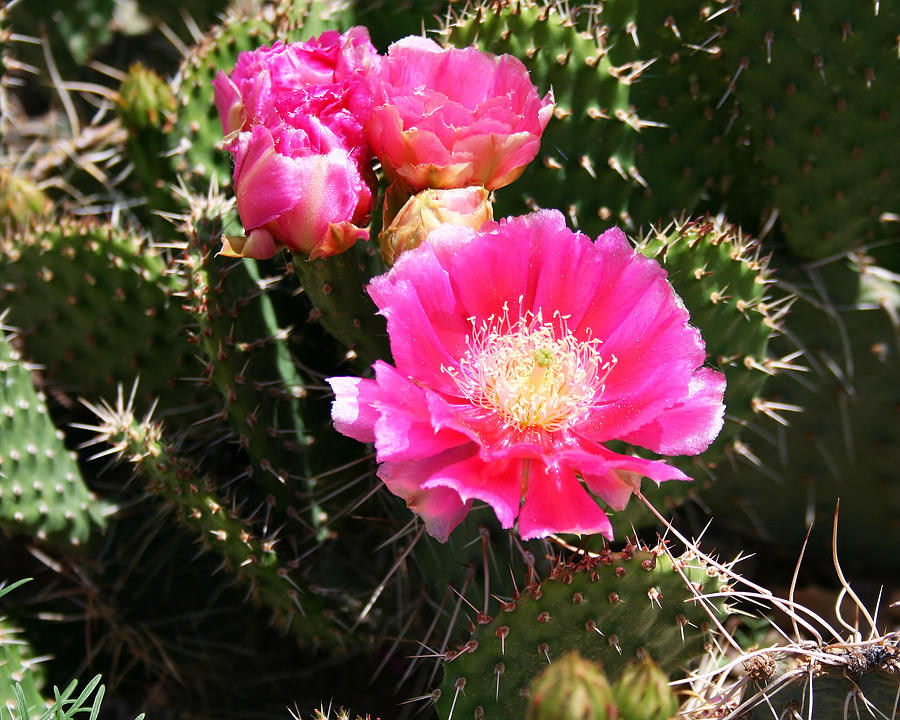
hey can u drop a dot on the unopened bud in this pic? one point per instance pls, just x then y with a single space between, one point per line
642 692
257 244
572 688
427 211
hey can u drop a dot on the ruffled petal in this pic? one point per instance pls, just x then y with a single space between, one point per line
353 410
441 507
404 429
690 425
451 117
499 484
613 476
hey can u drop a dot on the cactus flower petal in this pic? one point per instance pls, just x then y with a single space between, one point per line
520 349
354 413
555 501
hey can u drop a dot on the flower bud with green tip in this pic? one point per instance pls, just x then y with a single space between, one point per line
642 692
572 688
145 99
21 200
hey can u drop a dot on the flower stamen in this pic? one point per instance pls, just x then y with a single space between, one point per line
530 372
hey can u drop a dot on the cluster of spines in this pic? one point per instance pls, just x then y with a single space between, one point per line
217 518
805 678
611 607
859 676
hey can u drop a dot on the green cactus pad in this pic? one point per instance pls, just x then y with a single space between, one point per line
245 353
42 492
813 90
612 608
21 674
94 308
336 288
845 444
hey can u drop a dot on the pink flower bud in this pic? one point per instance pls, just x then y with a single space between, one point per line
448 118
430 209
291 115
301 186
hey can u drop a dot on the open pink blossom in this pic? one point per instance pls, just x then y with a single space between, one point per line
448 118
520 350
291 115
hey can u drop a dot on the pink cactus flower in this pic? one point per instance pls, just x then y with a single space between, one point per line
448 118
520 350
291 115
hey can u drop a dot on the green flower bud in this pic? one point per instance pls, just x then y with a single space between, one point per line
642 692
572 688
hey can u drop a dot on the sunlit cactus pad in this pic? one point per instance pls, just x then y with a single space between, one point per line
614 608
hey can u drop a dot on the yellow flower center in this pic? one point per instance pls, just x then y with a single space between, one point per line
532 373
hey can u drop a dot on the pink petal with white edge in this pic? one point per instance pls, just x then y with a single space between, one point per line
556 502
353 410
441 508
689 426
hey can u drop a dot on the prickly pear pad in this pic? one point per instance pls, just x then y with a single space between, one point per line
615 607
